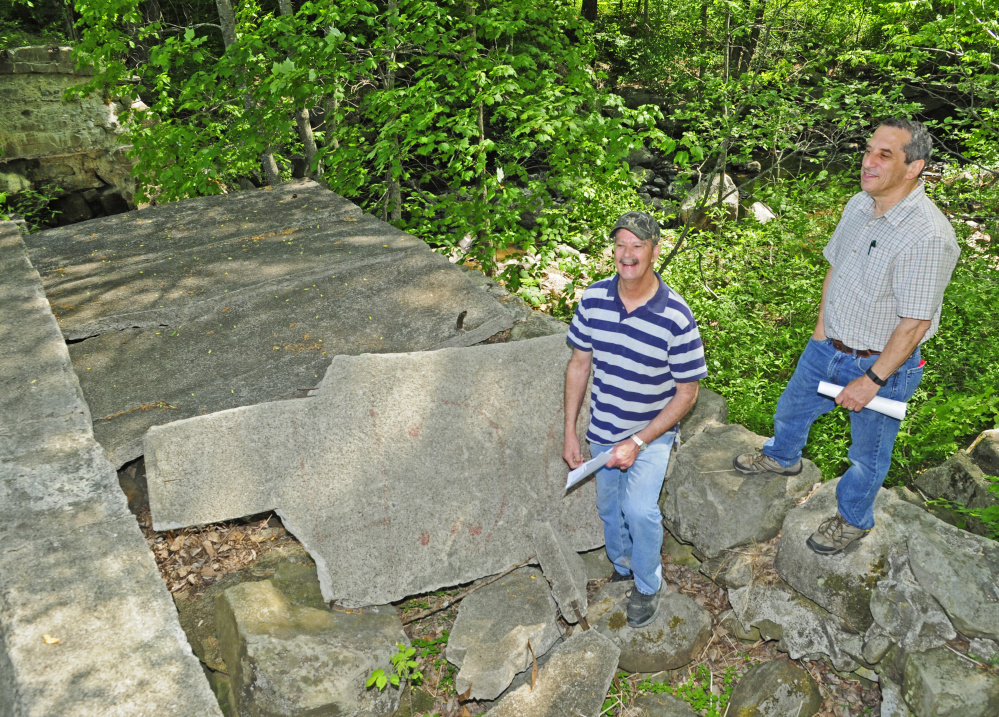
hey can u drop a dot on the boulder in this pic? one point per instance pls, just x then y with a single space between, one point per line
959 570
775 689
731 570
703 491
939 682
906 613
489 640
892 704
730 621
985 451
709 410
640 157
197 615
661 705
761 213
564 570
843 583
680 553
537 324
675 638
598 566
293 660
693 210
961 480
804 628
359 475
574 681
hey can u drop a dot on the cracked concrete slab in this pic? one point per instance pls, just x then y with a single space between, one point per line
241 299
407 473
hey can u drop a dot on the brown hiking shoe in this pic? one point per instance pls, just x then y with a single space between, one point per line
759 462
834 535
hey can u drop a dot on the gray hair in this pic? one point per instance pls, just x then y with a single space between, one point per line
920 144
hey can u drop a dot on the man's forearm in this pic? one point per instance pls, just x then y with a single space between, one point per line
576 376
820 324
904 340
678 407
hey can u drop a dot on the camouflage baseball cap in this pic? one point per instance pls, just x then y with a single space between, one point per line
640 224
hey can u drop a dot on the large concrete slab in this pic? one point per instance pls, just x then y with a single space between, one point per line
213 303
407 473
86 625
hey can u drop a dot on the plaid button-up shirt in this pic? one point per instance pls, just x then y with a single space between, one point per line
887 268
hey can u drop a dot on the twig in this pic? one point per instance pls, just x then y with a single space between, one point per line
464 593
966 657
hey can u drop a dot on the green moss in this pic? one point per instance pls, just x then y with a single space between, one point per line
676 622
617 621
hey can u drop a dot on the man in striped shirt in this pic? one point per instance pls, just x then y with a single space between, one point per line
641 342
890 259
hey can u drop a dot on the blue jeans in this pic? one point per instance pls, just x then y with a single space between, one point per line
628 503
873 433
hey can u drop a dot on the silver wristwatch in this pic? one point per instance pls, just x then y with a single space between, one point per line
642 445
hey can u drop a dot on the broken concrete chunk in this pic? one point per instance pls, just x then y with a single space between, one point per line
489 640
406 474
677 635
573 682
286 659
563 568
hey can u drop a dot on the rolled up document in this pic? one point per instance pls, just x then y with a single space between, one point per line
895 409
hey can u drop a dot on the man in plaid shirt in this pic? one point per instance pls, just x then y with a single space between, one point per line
891 257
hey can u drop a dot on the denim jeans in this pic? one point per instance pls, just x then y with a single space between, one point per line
628 503
873 433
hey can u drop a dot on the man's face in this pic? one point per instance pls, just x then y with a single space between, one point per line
883 170
633 257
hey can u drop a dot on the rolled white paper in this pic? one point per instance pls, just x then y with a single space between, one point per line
895 409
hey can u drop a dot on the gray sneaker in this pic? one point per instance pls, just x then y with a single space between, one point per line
642 609
759 462
834 536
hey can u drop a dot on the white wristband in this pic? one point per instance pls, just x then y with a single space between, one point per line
642 445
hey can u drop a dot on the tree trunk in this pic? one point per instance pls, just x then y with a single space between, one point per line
589 10
227 19
302 118
393 191
749 52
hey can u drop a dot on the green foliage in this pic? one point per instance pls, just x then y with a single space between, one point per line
34 206
433 652
21 24
696 691
404 669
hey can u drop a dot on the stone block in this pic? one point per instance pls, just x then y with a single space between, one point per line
297 661
598 566
489 640
776 689
673 639
986 452
938 682
405 474
563 568
241 299
709 410
574 681
703 491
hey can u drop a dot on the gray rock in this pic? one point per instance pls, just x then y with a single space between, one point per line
677 635
877 643
961 480
662 705
805 628
680 553
731 570
643 176
678 189
730 621
564 570
892 704
961 571
986 650
292 660
260 288
754 166
730 201
640 157
358 474
197 615
938 682
985 451
710 409
907 613
574 681
12 183
703 490
537 324
598 566
489 639
87 626
843 583
761 213
776 689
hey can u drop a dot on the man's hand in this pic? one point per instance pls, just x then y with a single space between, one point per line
857 394
623 455
571 452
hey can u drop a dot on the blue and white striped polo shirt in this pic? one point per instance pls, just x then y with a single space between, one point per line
638 358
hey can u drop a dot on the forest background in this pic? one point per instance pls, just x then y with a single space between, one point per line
499 131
